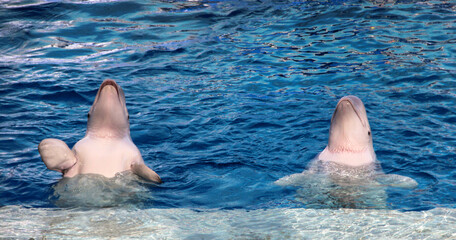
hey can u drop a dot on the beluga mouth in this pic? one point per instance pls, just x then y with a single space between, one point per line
109 82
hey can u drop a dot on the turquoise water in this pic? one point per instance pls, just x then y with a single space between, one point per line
226 97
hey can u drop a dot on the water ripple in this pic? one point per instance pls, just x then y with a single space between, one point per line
225 97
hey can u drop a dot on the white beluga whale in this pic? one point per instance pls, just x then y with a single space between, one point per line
107 148
346 173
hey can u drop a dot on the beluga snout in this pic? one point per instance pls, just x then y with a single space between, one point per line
108 115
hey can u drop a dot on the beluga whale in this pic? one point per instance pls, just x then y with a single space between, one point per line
346 173
106 149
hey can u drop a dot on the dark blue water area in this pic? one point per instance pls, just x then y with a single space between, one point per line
226 97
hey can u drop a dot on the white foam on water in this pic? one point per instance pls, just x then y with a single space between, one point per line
280 223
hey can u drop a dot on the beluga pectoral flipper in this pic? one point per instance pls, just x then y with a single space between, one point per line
56 154
348 161
107 148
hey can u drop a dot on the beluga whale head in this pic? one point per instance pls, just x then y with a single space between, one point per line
108 117
349 130
350 138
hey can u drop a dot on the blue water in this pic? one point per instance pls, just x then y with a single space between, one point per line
226 97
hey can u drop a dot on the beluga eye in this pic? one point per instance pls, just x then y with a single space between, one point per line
88 115
369 133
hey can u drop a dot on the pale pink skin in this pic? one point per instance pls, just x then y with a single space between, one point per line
107 148
350 138
349 146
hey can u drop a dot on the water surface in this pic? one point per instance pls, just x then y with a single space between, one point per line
226 97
